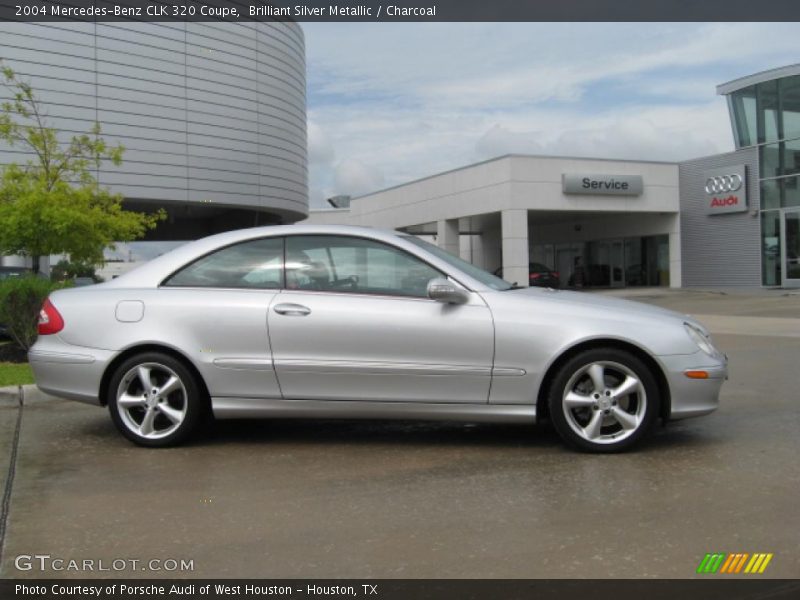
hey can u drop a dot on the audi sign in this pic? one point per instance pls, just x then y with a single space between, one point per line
725 190
723 183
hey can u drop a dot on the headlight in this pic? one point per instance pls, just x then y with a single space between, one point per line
699 338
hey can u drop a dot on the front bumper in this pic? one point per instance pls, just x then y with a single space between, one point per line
692 397
67 371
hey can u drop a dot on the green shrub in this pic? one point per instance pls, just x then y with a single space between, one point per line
65 270
21 299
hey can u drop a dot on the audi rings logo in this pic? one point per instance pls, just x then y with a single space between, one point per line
725 190
723 183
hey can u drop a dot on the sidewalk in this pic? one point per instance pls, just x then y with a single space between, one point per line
742 302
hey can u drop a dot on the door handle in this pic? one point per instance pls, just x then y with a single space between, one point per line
292 310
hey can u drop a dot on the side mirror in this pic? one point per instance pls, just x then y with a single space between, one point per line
442 290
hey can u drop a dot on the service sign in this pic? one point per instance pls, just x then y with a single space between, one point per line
603 185
725 190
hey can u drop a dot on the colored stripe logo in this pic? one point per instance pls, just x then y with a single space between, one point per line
737 562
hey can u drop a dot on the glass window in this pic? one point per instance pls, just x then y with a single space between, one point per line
476 273
770 160
256 264
635 269
744 116
791 228
780 193
791 157
770 247
597 270
768 112
349 264
771 191
790 107
791 192
657 259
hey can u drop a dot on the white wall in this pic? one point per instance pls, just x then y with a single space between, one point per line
527 183
511 182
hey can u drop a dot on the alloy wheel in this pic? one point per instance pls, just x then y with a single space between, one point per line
152 400
604 402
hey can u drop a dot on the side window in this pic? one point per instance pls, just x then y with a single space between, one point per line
255 264
340 263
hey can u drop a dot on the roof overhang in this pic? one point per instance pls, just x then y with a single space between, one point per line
743 82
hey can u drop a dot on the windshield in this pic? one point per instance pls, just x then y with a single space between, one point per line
476 273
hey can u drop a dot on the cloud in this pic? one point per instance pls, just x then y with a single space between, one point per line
663 133
501 140
320 149
354 178
390 103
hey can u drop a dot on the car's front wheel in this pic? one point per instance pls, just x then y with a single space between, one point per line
603 400
155 400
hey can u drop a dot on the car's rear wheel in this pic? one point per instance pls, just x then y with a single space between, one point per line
603 400
155 400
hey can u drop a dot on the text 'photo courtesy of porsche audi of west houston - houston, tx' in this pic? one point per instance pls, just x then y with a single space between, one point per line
348 322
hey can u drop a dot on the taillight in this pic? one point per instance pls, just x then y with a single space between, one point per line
555 274
535 275
50 321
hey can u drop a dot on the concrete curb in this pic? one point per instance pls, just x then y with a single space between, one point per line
23 395
11 395
31 394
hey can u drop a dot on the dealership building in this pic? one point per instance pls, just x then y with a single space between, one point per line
213 119
726 220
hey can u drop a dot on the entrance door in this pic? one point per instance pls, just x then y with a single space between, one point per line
569 264
790 249
617 266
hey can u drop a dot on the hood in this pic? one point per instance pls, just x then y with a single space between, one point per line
599 302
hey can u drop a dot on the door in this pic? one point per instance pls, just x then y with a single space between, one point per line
215 309
569 264
355 323
617 266
790 249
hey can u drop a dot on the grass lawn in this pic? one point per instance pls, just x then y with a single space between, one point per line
15 374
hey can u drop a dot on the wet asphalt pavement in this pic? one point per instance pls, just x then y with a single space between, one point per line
356 499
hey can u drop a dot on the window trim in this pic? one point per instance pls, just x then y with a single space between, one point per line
284 237
281 283
362 292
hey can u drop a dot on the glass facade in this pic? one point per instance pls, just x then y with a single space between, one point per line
767 114
770 247
630 262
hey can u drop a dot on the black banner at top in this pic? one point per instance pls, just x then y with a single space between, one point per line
400 10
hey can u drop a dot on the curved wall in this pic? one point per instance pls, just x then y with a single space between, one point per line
212 115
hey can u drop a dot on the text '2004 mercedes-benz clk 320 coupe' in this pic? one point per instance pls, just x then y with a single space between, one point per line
346 322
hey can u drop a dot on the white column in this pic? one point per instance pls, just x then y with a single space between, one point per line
514 234
15 261
44 265
675 252
447 236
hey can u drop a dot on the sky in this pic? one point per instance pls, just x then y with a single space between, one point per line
389 103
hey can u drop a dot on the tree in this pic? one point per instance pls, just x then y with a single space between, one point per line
53 204
65 270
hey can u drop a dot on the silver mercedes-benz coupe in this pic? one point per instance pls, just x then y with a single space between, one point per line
347 322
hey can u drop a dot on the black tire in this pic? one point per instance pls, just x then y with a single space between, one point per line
188 400
602 420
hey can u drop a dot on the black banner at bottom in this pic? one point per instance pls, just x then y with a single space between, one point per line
397 589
